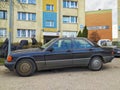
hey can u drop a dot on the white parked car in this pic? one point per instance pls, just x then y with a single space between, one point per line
108 43
104 42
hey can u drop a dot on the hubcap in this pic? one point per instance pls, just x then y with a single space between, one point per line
25 67
96 64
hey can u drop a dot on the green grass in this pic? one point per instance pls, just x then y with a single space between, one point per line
2 61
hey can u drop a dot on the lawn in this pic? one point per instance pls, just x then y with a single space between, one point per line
2 61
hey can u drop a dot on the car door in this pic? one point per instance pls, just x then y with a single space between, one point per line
82 51
60 55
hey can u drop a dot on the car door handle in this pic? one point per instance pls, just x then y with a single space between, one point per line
68 51
91 49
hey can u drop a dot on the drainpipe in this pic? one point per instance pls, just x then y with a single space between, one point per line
10 25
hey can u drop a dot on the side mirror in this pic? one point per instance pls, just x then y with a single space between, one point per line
50 49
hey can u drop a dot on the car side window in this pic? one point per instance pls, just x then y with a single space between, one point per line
62 45
81 43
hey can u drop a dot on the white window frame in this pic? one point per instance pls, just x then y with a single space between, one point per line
27 2
27 16
67 19
69 4
51 7
70 19
3 13
4 32
3 0
49 23
26 33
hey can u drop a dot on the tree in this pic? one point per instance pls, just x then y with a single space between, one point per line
79 34
85 32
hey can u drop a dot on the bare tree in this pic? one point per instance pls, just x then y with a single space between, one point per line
94 36
5 3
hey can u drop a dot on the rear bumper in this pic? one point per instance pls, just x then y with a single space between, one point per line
10 65
117 54
108 59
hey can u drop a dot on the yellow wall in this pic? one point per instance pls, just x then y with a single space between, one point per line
50 30
53 2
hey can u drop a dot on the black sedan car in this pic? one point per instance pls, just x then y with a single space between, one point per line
59 53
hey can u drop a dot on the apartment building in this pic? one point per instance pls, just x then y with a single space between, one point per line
71 17
46 19
99 24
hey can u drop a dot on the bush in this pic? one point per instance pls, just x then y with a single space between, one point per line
2 60
1 44
83 33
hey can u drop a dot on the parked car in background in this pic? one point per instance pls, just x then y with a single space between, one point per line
116 45
59 53
21 45
104 42
113 44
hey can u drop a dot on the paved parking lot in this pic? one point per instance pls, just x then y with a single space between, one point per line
64 79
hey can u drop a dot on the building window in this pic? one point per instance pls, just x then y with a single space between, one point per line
49 7
3 0
26 16
27 1
69 34
3 32
69 19
25 33
49 23
69 4
3 14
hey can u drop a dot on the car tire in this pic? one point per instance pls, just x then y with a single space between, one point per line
95 64
25 67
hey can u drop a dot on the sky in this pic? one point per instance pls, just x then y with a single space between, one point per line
103 4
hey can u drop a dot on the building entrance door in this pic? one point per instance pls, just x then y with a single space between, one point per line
48 38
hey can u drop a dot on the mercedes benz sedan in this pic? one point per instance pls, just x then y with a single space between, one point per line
59 53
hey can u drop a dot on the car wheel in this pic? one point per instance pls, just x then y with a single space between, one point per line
25 67
95 64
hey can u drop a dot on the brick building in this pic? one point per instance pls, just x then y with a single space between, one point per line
99 24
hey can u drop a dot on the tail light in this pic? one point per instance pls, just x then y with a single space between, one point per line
9 58
112 52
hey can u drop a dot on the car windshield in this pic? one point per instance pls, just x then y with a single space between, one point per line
47 44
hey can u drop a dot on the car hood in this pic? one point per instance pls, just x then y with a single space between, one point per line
23 51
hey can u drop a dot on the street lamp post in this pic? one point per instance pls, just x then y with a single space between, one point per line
10 25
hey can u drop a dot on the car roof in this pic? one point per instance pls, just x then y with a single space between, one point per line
72 38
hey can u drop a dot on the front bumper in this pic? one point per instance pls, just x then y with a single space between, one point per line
10 65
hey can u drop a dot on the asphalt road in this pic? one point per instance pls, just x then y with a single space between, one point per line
64 79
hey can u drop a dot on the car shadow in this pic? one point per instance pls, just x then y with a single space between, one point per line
68 70
8 73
